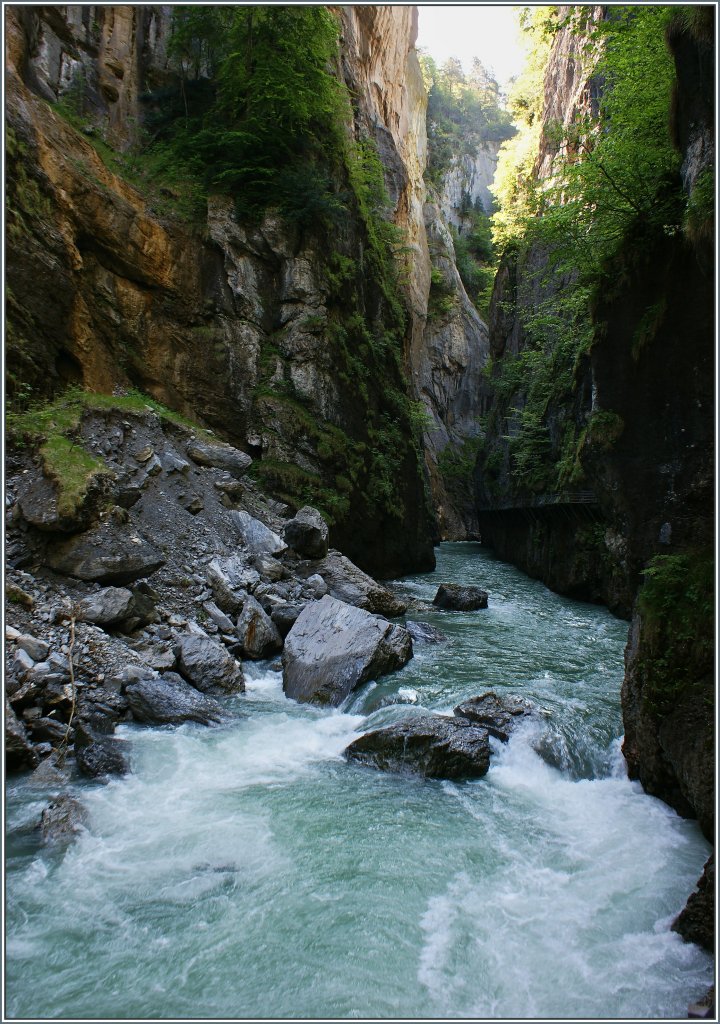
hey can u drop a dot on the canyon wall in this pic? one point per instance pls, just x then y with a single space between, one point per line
234 325
642 403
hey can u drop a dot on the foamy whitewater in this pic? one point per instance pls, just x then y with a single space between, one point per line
248 871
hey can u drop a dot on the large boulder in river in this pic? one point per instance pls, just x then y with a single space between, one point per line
259 636
455 597
348 583
500 715
106 554
307 533
334 647
169 700
97 753
429 745
207 665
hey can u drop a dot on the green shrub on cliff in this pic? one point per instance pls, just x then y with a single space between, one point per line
677 604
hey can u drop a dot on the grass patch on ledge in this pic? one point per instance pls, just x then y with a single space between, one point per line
53 429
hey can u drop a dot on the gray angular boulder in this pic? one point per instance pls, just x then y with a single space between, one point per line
97 753
500 715
169 700
230 579
348 583
285 616
307 533
454 597
334 647
108 607
218 456
207 665
258 538
428 745
258 634
106 554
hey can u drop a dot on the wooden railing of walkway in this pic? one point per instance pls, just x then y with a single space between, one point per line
541 501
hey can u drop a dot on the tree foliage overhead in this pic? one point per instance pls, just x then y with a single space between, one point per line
463 112
613 190
258 113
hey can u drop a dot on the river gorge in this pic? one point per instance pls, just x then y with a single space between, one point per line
249 871
359 516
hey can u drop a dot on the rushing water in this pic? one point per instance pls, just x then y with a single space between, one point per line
248 871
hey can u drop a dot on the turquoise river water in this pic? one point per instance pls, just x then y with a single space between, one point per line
248 871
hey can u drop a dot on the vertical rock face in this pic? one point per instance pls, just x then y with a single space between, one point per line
448 346
652 481
448 378
110 52
469 178
225 323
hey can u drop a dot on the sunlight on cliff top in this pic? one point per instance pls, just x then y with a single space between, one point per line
486 31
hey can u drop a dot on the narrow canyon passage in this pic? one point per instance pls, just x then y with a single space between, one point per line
248 870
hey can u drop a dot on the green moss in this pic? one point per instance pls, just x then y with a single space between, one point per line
52 427
604 430
677 604
73 470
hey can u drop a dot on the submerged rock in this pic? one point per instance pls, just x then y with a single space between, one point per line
169 700
429 745
307 533
500 715
454 597
334 647
424 633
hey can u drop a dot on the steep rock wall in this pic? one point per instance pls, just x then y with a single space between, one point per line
221 323
469 178
652 478
447 347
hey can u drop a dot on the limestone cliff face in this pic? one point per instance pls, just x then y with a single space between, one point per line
219 322
469 178
448 379
110 52
447 346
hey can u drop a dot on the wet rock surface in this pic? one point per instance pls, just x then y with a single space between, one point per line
696 922
334 647
61 820
454 597
169 700
499 715
428 745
